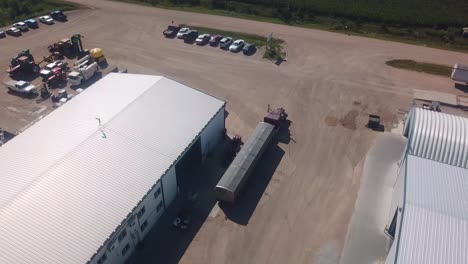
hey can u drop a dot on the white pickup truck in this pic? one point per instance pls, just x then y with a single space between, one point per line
22 87
79 75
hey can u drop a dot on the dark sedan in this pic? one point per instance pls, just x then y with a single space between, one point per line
214 41
249 49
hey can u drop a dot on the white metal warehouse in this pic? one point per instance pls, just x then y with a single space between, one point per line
86 183
429 211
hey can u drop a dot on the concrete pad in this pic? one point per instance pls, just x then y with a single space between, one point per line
366 241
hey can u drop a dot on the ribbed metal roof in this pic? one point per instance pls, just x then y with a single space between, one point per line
244 162
438 136
435 217
67 184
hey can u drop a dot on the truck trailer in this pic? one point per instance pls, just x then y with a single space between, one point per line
243 165
460 73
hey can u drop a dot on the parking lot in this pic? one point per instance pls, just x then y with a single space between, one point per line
307 186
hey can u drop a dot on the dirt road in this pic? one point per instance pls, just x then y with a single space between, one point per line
328 84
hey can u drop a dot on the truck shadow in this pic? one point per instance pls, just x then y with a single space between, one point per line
461 87
241 211
28 77
23 95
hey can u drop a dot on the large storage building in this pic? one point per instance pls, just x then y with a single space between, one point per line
87 182
429 211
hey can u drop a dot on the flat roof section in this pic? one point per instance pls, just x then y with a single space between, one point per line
68 183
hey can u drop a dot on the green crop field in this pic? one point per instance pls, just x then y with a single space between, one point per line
435 23
16 10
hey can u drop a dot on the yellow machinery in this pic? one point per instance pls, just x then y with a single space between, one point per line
98 55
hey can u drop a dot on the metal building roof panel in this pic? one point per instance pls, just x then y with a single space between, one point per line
438 136
83 180
435 218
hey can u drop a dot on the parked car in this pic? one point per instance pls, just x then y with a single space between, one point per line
190 36
237 45
225 42
13 32
46 20
249 49
182 32
203 39
32 23
21 26
214 41
58 15
2 34
171 31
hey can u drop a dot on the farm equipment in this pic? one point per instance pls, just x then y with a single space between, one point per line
56 75
233 147
60 97
46 72
69 47
63 47
54 56
98 55
45 93
23 63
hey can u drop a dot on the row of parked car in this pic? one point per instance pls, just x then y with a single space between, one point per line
23 26
224 42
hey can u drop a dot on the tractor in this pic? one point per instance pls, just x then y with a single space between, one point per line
69 47
56 75
23 63
63 47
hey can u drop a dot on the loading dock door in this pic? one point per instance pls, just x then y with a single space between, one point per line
188 166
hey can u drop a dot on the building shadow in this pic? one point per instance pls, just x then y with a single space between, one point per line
167 244
461 87
23 95
7 136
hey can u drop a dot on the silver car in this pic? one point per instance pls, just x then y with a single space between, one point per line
182 32
225 42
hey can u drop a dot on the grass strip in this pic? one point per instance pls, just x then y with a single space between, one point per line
274 51
430 68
